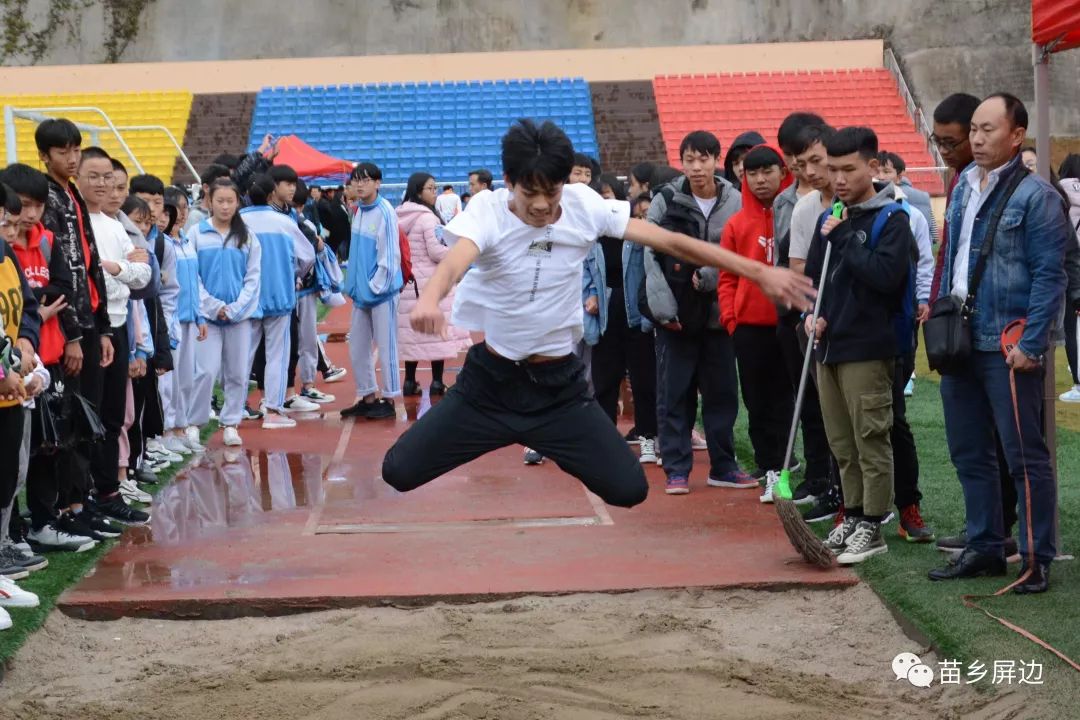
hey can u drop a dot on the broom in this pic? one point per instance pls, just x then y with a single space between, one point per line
800 535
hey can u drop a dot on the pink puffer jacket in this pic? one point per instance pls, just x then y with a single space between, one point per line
424 230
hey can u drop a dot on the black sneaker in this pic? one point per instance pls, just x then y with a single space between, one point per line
357 409
116 509
72 524
250 414
11 556
808 491
381 409
825 506
100 524
633 437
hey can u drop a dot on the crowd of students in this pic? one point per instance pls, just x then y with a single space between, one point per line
125 304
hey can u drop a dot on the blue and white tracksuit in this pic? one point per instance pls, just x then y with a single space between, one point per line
229 280
373 282
286 257
184 319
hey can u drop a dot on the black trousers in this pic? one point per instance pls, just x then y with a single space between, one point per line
905 458
54 479
149 415
12 420
89 385
766 391
498 402
706 361
820 463
625 349
105 463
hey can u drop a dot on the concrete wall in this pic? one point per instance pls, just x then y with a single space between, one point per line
945 45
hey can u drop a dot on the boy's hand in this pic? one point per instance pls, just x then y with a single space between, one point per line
11 387
786 288
34 386
73 357
923 314
427 318
695 280
48 312
138 255
106 352
110 267
29 357
815 332
832 222
202 332
592 306
222 315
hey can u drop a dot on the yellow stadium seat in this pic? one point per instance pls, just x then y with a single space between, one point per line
154 151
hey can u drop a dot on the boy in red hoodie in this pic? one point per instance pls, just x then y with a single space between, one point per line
750 317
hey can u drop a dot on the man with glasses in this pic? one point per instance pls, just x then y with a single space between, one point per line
952 129
125 269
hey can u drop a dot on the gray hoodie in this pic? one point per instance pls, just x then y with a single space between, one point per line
684 210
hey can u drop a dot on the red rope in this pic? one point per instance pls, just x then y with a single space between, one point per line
969 600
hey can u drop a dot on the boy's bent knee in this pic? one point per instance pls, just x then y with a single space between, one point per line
630 490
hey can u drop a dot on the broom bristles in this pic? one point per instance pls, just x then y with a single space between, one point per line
800 535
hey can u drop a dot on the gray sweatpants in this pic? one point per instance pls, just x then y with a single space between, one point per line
225 353
307 338
275 377
371 328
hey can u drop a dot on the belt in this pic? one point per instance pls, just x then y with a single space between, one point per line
531 360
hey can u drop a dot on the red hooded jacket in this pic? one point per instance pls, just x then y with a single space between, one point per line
749 233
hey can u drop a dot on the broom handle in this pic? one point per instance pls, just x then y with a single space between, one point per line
807 357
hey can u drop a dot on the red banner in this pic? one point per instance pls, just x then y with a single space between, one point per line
1056 23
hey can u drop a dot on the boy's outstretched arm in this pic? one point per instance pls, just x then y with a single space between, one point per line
784 287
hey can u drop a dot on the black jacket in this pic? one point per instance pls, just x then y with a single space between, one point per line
61 216
864 288
335 218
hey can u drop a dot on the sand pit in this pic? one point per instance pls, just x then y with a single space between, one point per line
652 654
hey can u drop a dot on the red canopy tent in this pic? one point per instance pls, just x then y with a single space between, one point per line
308 162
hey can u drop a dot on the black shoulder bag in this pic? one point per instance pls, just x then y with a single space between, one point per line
947 333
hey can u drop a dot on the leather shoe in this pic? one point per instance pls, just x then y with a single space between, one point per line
970 564
438 387
410 388
1039 582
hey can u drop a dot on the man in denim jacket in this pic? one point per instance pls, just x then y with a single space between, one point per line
1024 278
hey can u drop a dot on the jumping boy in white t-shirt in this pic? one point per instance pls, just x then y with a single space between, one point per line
523 385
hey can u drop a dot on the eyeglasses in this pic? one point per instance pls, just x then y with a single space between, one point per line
95 179
947 143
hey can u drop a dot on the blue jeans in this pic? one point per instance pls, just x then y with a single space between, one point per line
976 403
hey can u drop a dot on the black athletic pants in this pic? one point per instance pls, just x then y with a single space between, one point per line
905 458
89 384
497 402
766 391
149 415
105 463
820 463
12 420
1070 340
621 349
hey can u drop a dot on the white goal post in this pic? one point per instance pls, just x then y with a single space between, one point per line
39 114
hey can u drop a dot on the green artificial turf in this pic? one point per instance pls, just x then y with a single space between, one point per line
64 570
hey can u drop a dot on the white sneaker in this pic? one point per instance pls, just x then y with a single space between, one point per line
160 454
1071 396
317 396
131 492
296 403
648 450
5 619
274 420
176 446
231 437
335 374
771 478
191 439
11 595
50 537
697 441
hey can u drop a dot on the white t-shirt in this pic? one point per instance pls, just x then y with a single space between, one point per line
524 290
804 218
448 205
706 204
